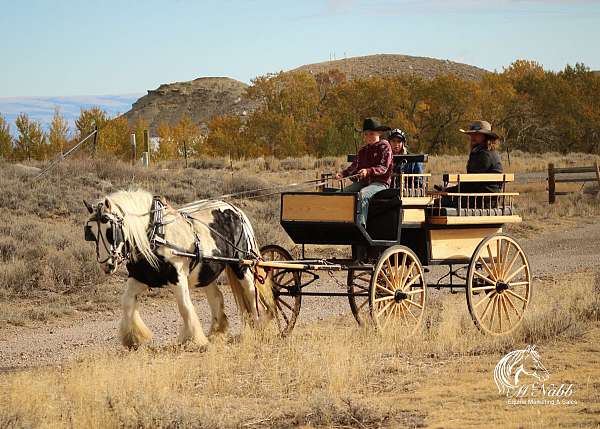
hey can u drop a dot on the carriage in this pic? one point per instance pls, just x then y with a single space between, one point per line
410 230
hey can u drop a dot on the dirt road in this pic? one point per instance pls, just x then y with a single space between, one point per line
573 249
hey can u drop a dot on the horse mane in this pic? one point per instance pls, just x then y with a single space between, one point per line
135 207
504 369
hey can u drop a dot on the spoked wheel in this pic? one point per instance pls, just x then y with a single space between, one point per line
398 290
498 285
358 283
286 288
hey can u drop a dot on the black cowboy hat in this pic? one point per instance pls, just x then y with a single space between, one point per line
372 124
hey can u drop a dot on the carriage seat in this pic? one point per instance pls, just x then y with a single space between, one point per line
453 211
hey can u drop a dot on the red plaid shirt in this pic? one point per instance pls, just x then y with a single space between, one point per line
377 159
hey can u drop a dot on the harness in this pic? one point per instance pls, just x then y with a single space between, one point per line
156 232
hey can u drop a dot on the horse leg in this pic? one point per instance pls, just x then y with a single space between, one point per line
191 330
219 323
132 330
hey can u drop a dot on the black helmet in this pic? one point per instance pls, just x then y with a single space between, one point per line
397 133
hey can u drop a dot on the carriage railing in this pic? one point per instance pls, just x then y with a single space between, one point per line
472 200
410 185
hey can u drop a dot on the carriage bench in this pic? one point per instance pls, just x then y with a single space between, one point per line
473 208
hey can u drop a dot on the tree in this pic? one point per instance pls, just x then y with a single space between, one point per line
114 139
167 147
6 140
31 141
226 137
58 133
88 119
187 137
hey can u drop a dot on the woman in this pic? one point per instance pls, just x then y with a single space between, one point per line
372 165
483 158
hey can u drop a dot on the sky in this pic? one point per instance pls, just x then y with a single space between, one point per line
108 47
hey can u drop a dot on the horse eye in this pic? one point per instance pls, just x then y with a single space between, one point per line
104 219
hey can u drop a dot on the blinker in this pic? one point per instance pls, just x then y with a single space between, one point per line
89 234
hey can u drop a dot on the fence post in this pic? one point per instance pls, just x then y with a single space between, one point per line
551 184
185 153
133 149
95 141
598 172
147 146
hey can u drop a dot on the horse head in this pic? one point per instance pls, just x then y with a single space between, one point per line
532 366
105 228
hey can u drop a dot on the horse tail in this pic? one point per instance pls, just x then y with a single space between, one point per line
237 289
263 282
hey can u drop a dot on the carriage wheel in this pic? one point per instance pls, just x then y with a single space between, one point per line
358 283
398 290
498 285
284 281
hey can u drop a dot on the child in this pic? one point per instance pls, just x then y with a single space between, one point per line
372 165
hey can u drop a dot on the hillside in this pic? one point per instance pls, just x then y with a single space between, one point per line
206 97
391 65
200 98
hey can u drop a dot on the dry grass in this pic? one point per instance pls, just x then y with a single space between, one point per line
327 374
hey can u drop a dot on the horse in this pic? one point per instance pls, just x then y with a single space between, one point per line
517 363
165 247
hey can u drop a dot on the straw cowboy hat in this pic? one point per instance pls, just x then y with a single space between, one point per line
481 127
372 124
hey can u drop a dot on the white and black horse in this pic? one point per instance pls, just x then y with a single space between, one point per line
149 235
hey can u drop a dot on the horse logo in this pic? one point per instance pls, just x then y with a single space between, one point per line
514 365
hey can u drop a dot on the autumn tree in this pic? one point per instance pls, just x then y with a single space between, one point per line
90 118
167 147
6 140
31 140
58 133
114 139
187 137
226 137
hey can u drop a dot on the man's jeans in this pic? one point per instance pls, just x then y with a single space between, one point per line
366 192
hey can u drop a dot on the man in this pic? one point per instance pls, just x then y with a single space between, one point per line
397 140
372 166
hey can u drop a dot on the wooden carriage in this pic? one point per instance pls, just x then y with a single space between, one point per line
408 229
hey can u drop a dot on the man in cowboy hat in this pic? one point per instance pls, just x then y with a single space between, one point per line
372 166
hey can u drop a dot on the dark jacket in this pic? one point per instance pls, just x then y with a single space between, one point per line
377 159
482 160
408 168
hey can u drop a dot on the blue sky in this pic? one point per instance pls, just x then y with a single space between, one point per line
66 47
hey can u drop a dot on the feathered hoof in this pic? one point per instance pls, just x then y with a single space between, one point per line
133 337
185 338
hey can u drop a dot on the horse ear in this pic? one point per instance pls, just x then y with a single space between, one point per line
107 204
88 206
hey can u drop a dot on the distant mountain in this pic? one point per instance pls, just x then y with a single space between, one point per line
393 65
200 98
206 97
42 108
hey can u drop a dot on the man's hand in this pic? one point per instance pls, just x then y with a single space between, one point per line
363 173
339 176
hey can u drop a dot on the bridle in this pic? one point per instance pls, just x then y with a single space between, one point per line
113 240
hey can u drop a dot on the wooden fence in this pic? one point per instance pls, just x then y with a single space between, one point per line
576 175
